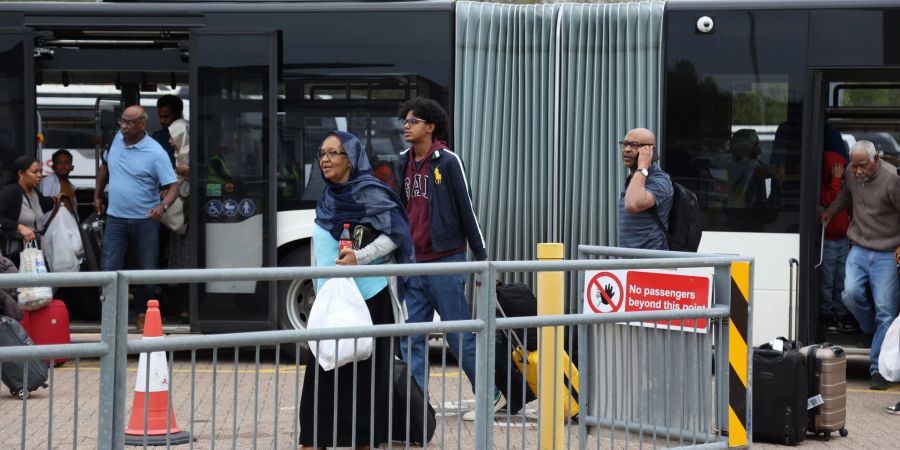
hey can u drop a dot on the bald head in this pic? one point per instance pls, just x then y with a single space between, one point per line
133 123
641 135
633 141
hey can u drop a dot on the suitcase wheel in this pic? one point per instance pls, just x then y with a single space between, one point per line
827 435
844 432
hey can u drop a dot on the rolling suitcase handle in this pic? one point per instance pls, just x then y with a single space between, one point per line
792 285
508 331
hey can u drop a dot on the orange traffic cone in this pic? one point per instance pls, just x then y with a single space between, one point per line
155 397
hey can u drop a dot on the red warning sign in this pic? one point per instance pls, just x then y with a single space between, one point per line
633 291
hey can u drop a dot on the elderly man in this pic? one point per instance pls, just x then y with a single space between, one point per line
645 203
874 193
135 167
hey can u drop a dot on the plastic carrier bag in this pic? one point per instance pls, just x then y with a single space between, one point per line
339 304
62 243
31 260
889 358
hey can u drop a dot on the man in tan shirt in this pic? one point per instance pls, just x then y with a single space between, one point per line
873 191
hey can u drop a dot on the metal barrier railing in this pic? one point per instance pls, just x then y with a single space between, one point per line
267 418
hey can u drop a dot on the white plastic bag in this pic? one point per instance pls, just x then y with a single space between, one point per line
62 243
31 260
889 358
339 304
174 218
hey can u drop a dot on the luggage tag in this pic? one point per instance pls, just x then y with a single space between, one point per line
777 345
812 402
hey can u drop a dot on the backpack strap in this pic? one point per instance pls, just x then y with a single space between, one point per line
659 222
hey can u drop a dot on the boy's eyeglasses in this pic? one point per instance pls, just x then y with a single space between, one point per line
412 121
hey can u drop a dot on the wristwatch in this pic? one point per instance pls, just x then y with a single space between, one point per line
645 172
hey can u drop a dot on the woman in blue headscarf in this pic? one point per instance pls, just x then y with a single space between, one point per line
352 195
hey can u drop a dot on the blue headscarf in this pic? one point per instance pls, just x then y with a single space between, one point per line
364 199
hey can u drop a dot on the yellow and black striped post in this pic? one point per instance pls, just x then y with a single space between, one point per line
738 334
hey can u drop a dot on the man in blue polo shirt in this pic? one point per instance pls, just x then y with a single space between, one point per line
648 192
135 167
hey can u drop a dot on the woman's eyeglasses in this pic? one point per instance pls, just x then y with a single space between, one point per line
412 121
331 154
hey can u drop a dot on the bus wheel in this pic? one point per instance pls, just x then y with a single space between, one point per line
295 299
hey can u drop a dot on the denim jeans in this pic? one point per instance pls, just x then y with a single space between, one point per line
831 277
141 236
446 295
879 270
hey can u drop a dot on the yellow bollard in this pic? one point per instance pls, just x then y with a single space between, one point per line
550 292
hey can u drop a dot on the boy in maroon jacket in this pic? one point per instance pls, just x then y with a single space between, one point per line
835 249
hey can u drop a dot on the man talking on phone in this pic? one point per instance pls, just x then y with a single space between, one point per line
648 194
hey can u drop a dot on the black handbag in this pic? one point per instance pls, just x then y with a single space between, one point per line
12 245
363 235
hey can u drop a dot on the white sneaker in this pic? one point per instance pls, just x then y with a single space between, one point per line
499 404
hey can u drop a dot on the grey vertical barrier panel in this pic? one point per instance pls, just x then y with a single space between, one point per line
543 94
504 117
538 112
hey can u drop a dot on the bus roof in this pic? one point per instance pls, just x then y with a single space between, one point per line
687 5
181 8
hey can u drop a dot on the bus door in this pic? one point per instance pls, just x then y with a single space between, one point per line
233 152
854 105
17 104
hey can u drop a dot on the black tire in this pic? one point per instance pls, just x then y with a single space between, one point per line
844 432
295 299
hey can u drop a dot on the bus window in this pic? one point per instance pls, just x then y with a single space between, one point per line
366 107
747 178
868 111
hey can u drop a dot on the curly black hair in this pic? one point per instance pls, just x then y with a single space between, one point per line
430 111
172 102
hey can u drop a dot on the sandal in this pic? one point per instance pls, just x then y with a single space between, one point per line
894 409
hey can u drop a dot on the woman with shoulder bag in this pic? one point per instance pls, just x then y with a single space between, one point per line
22 207
176 217
352 195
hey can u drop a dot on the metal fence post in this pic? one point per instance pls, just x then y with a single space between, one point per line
722 286
120 325
550 289
484 358
585 360
108 410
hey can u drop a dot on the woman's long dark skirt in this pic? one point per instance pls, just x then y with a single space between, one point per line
371 423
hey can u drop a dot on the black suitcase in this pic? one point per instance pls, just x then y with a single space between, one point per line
416 404
780 386
13 372
92 239
518 300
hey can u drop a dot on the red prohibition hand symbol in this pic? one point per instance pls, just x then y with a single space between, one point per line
605 294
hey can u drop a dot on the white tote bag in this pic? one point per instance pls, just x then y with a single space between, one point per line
889 358
31 260
62 243
339 304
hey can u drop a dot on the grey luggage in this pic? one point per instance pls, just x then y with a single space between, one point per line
14 373
827 385
91 239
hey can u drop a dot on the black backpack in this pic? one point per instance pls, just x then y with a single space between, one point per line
685 228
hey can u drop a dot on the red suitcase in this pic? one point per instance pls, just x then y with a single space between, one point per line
48 325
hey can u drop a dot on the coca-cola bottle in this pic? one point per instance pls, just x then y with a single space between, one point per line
345 241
